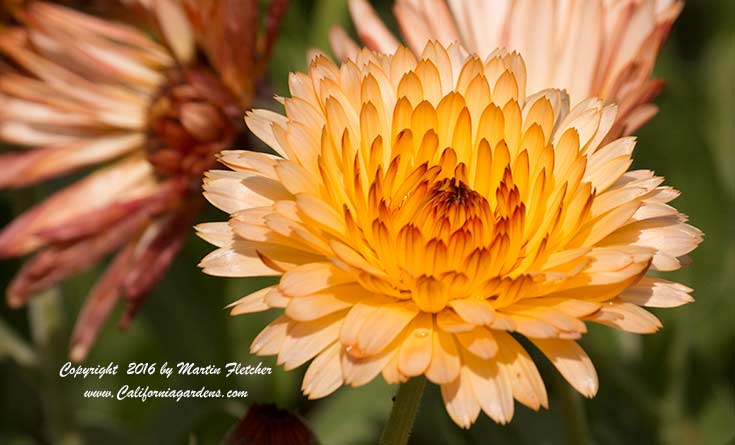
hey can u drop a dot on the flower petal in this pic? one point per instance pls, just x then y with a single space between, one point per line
572 362
460 399
324 374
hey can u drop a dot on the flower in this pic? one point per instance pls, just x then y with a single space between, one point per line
418 211
600 48
266 424
79 91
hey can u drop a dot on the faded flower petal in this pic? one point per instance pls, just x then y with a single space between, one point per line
603 48
77 91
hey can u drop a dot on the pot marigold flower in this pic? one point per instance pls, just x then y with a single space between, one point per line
602 48
419 211
79 91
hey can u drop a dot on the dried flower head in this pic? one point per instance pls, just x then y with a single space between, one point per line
419 211
79 91
270 425
591 48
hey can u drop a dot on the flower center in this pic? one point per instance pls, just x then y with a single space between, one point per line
459 243
452 206
192 118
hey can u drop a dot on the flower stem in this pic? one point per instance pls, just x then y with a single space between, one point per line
403 414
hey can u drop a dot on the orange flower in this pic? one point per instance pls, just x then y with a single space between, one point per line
591 48
79 91
420 211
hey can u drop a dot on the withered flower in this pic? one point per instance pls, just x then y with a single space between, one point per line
266 424
78 91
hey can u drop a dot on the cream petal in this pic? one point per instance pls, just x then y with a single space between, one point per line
445 364
370 28
230 263
449 321
613 198
304 340
657 292
599 228
311 278
571 307
271 338
528 387
242 160
668 235
275 298
381 327
481 22
415 353
559 100
356 319
492 388
235 191
618 148
460 399
560 258
421 23
295 178
359 371
321 213
175 28
217 233
390 372
533 25
342 45
558 320
572 362
628 317
652 209
479 342
324 374
479 312
350 257
531 327
261 123
325 302
580 49
251 303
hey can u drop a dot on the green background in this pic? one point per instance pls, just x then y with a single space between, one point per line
673 387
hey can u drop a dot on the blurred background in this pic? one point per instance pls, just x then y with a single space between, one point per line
675 387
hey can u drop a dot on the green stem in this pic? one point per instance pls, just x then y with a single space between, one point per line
327 13
574 415
403 414
11 344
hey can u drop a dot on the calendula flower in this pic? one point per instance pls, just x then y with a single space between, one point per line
600 48
419 211
79 91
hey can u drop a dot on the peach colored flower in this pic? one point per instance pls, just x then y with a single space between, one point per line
78 91
419 211
591 48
